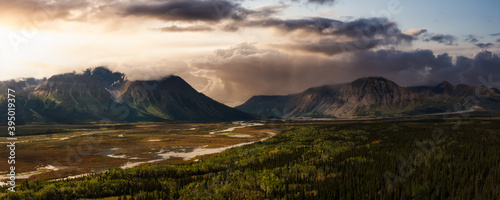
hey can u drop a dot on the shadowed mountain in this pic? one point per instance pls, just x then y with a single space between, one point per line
173 99
77 98
108 79
23 89
99 94
446 89
372 96
487 99
22 86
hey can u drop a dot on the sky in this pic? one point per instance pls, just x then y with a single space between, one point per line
232 50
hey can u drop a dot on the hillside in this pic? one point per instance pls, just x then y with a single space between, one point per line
99 94
372 96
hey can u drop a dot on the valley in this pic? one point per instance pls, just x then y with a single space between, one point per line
70 150
411 158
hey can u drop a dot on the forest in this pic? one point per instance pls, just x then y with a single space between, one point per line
372 159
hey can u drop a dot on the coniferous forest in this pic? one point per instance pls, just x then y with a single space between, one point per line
386 159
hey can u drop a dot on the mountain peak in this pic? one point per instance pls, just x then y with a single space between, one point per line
445 84
173 79
444 87
106 77
372 78
93 94
170 83
173 98
374 84
364 96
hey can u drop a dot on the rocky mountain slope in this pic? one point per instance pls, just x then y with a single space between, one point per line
372 96
99 94
173 98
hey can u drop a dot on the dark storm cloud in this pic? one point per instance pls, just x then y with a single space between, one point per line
365 27
330 36
371 28
422 67
442 39
498 40
356 35
186 29
392 60
332 47
233 71
430 68
484 64
315 25
167 10
485 45
495 34
329 47
189 10
471 39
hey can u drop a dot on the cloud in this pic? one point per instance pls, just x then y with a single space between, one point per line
442 39
232 73
321 1
498 40
364 27
316 1
485 45
495 34
188 10
269 10
331 47
415 32
237 73
186 29
58 9
424 67
330 37
37 13
483 64
208 11
471 39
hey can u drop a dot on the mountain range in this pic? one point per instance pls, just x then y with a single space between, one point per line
374 96
99 94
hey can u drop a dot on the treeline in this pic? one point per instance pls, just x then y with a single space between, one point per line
371 160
